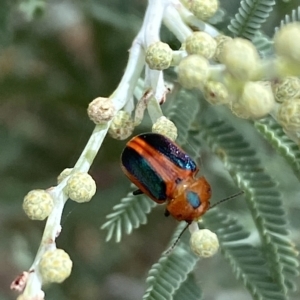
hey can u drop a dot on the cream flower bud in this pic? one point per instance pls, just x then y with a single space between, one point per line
287 88
204 9
257 99
38 204
241 58
64 174
159 56
165 127
286 41
216 93
221 41
101 110
288 115
204 243
201 43
81 187
193 71
55 266
121 126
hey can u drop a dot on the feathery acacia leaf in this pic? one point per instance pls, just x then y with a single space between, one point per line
127 215
274 133
252 14
263 44
189 290
246 261
263 199
171 271
294 16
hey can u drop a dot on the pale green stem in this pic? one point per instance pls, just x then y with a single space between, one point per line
135 65
193 227
176 25
154 110
177 57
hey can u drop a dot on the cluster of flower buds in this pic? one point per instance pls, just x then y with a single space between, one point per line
229 71
287 89
54 264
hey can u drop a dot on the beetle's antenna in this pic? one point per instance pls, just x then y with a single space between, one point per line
168 251
226 199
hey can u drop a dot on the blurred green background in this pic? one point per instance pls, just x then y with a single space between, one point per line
55 58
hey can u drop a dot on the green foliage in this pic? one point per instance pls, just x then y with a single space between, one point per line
247 262
263 199
127 215
294 16
263 44
47 79
171 271
252 14
189 290
275 135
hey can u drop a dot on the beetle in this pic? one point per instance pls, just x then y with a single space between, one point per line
164 172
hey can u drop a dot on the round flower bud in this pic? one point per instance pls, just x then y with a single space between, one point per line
159 56
288 115
257 99
193 71
204 9
121 126
38 204
101 110
221 40
287 88
81 187
64 174
165 127
55 266
204 243
201 43
216 93
286 41
241 58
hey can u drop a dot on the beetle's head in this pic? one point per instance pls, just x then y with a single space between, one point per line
192 201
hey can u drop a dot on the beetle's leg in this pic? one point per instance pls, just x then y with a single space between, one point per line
137 192
167 213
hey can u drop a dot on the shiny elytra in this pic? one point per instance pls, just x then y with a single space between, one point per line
164 172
